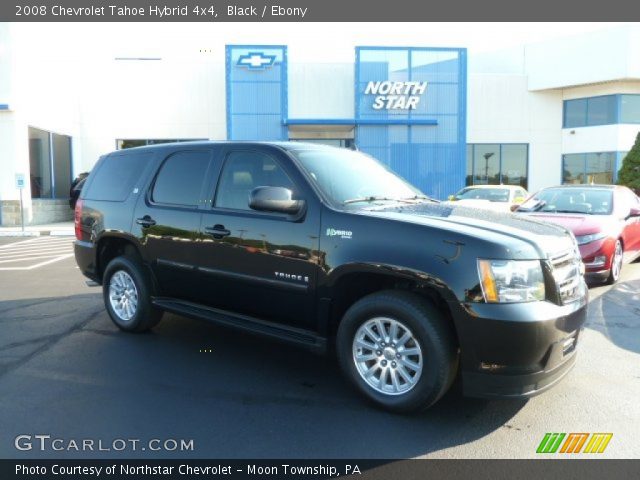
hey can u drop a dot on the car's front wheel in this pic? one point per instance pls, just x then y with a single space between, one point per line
616 263
398 350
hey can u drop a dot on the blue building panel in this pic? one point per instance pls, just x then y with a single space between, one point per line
256 92
432 157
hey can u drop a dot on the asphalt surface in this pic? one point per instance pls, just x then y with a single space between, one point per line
68 372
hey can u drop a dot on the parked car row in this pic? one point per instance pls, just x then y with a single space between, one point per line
605 219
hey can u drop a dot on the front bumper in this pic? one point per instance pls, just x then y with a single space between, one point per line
518 350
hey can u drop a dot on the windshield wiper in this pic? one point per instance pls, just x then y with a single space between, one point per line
535 208
374 198
572 211
422 197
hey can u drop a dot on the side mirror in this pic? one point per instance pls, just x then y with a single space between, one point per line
514 207
274 199
634 212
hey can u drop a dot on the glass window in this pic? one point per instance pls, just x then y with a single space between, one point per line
573 168
575 113
596 201
601 110
244 171
514 165
115 176
486 165
600 167
497 164
61 164
596 167
353 178
40 163
180 179
630 109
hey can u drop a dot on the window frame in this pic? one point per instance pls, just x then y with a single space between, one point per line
203 186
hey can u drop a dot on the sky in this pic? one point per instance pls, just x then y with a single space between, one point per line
308 42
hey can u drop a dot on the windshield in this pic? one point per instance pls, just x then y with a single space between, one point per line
490 194
353 178
591 201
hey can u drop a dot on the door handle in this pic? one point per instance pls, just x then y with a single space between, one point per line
218 231
146 221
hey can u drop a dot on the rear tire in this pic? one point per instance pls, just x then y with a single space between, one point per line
398 350
127 289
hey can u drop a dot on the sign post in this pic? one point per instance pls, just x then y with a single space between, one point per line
20 186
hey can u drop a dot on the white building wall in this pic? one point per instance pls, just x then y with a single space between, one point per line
151 99
502 110
600 56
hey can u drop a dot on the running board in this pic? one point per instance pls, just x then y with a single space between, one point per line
249 324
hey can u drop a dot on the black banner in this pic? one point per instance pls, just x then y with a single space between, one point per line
321 469
314 11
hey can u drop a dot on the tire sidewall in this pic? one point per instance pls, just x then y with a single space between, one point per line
434 379
614 278
137 322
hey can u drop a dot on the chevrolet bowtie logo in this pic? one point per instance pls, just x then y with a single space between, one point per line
256 60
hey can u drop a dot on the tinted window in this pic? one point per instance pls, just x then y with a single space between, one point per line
575 113
244 171
115 177
630 109
180 179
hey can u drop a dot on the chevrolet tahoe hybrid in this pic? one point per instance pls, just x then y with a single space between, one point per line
329 249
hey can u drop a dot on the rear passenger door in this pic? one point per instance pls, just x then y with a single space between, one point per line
167 219
257 263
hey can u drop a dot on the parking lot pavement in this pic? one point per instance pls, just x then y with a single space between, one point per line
34 253
66 371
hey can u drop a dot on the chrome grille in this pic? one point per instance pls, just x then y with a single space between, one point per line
567 270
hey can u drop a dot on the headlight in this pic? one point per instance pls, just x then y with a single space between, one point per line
592 237
506 281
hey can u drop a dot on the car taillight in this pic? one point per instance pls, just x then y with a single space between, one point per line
77 219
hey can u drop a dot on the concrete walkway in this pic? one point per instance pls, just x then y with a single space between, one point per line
62 228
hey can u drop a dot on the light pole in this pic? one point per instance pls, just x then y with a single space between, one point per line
487 156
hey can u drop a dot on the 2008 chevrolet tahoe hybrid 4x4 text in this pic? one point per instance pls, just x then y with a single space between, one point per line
326 247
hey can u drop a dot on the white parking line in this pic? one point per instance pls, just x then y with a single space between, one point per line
35 252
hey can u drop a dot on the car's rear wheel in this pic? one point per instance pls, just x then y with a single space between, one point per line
127 290
616 263
398 350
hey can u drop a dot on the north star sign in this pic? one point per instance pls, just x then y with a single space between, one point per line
396 95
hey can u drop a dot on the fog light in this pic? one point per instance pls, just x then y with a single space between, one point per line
598 261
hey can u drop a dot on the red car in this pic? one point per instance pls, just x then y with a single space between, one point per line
605 220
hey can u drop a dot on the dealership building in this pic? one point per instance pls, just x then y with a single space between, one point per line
561 111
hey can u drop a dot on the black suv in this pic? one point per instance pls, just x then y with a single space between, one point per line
326 247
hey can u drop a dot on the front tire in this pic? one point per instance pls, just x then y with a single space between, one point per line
616 263
398 350
127 290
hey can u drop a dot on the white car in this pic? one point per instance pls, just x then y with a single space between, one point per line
502 198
